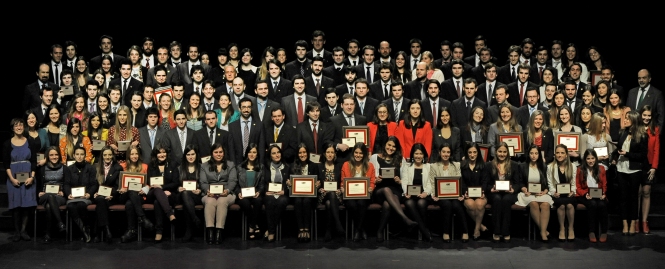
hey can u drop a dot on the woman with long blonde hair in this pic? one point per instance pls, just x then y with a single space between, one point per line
122 131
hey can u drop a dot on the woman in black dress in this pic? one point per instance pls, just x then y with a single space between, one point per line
502 168
303 205
474 174
53 173
446 133
108 172
80 174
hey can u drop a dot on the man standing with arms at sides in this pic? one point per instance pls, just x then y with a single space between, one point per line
486 89
348 87
416 88
245 131
301 65
433 104
501 96
461 107
278 132
175 49
337 69
369 70
508 72
572 100
364 104
333 107
137 112
415 57
384 54
179 100
478 72
538 68
92 89
177 138
56 64
127 83
151 134
313 132
479 43
210 135
263 106
524 112
453 88
353 46
517 89
148 60
317 84
106 45
318 40
70 52
32 92
278 87
647 94
380 89
41 111
557 52
185 70
170 75
294 105
397 105
527 49
348 117
446 54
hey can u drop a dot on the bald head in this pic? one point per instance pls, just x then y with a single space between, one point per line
384 49
643 78
421 70
238 86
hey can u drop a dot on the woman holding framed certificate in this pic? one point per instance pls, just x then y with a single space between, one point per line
190 169
303 205
474 177
653 156
108 172
250 180
447 168
414 128
134 199
80 185
505 124
359 166
592 175
96 132
330 193
389 187
51 174
446 133
538 201
632 161
502 169
122 131
276 198
560 180
74 139
380 128
217 171
565 124
162 194
477 128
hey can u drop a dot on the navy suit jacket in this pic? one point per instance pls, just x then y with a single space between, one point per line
235 139
291 110
460 114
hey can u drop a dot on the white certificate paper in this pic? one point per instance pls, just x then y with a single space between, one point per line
596 192
511 142
157 181
601 151
315 158
22 177
205 159
78 192
502 185
98 144
52 188
124 145
534 188
388 173
248 192
357 189
330 186
303 186
189 185
216 189
359 136
569 141
475 192
448 188
104 191
134 186
563 188
350 141
274 187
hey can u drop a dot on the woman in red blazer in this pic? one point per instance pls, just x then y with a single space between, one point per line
358 166
652 155
592 175
414 129
380 128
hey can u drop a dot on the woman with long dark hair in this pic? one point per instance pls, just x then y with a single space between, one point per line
303 205
330 172
653 156
275 202
52 173
73 139
358 166
592 175
414 128
474 174
80 174
477 128
162 195
539 203
250 174
190 169
402 71
446 133
502 168
218 171
108 172
380 128
134 199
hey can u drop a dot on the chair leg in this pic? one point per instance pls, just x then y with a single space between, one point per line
34 230
387 231
452 232
316 234
139 230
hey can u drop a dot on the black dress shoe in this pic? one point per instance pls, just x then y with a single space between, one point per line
108 235
146 223
61 227
128 236
211 235
364 235
379 236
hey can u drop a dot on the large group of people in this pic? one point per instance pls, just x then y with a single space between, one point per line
199 132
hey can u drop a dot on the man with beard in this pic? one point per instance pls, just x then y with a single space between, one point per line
337 69
607 74
517 89
384 54
501 96
380 90
572 100
557 52
647 94
446 54
524 113
527 50
433 104
416 88
171 76
453 88
301 65
317 84
70 52
575 73
348 87
148 60
245 131
352 49
538 68
263 106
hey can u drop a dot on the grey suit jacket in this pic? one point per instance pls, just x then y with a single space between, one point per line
183 72
171 75
172 142
291 110
653 98
146 147
234 102
267 115
227 177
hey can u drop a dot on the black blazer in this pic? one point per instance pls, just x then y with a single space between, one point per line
171 176
336 75
534 75
286 175
482 93
377 90
293 68
460 114
284 88
523 115
310 88
32 95
477 177
547 145
258 180
322 173
326 114
291 108
427 109
524 170
327 57
412 90
141 118
449 90
80 178
478 73
514 92
202 140
368 109
267 111
289 139
312 168
132 86
505 74
111 179
338 122
235 139
637 155
325 134
361 71
515 177
454 141
96 62
447 70
341 90
404 107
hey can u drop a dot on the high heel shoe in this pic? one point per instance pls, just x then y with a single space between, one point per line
306 236
476 236
271 238
506 239
571 235
446 240
592 238
603 238
465 240
562 236
158 238
645 227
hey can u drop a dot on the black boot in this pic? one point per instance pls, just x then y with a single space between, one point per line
107 234
146 223
188 232
219 237
211 234
86 235
98 235
128 236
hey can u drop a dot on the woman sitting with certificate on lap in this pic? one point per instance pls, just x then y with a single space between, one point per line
560 171
250 180
162 194
134 198
538 201
277 197
592 175
50 179
217 171
474 182
303 205
358 166
447 168
108 172
190 169
331 198
80 185
505 179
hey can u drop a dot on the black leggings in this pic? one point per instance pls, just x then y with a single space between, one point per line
303 209
252 207
133 208
102 209
596 211
274 209
448 207
76 210
629 185
52 208
332 209
189 201
358 210
501 203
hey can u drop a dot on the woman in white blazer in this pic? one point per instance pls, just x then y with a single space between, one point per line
417 173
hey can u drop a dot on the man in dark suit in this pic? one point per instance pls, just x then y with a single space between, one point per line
217 72
500 97
337 69
318 40
646 94
149 96
353 47
106 45
474 60
333 108
278 87
32 92
364 104
184 69
384 54
540 65
458 54
245 131
313 132
380 89
508 72
348 87
239 94
136 111
41 111
526 57
151 134
369 70
431 106
209 135
415 45
453 88
572 100
279 132
294 104
461 108
264 105
127 83
175 50
416 89
317 84
607 74
208 99
301 65
446 54
196 85
486 90
177 138
70 53
517 90
179 101
574 75
398 105
524 113
57 66
348 117
162 60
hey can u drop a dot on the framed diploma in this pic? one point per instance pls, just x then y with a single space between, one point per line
127 177
484 151
475 192
22 177
104 191
52 188
40 157
601 151
534 188
124 145
189 185
67 90
596 192
315 158
162 90
78 192
502 185
511 151
388 172
349 141
274 187
277 144
595 77
134 186
414 190
70 163
217 189
248 192
205 159
330 186
303 186
447 187
512 139
157 181
563 188
98 144
360 133
356 188
570 140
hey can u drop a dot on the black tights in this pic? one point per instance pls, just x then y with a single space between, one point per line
133 209
358 210
162 206
332 208
52 211
387 199
274 209
76 210
21 216
417 208
189 201
252 207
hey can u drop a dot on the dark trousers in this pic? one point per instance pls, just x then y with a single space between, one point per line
133 208
501 203
52 208
303 209
274 209
189 201
358 210
162 206
332 209
448 207
76 210
596 211
629 185
102 209
252 207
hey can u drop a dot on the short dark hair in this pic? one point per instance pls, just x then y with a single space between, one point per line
300 43
311 106
360 80
152 111
415 40
178 112
318 33
196 68
386 65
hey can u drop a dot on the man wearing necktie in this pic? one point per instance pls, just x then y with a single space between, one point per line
313 132
244 131
462 106
348 117
56 63
368 69
337 68
571 100
524 113
127 83
70 52
347 87
317 84
151 134
209 135
364 104
380 89
301 65
279 132
647 94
